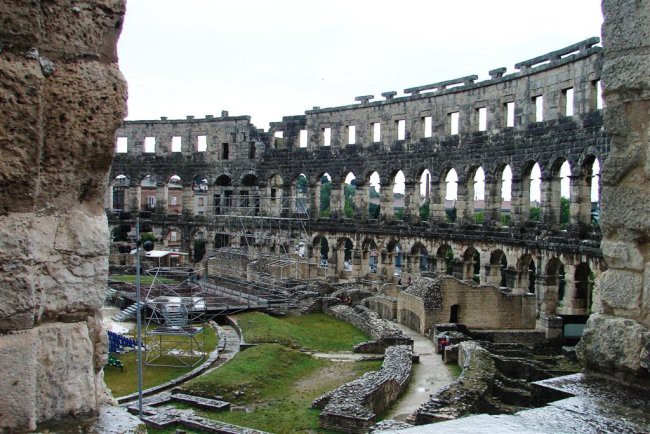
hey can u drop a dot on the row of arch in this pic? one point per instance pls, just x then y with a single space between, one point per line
474 195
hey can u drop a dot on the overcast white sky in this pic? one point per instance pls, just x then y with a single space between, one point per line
269 59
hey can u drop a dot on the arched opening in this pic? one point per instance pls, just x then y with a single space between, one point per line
348 247
527 273
374 200
506 195
321 246
535 193
454 313
302 194
425 195
200 194
349 190
498 269
397 255
421 256
120 193
148 193
565 194
325 192
221 240
471 265
584 286
445 260
478 195
248 199
532 276
399 187
174 195
555 285
372 254
450 194
595 192
222 196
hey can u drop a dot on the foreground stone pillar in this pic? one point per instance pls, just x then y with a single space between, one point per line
63 97
617 337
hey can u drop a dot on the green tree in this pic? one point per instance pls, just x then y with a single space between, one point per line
451 214
399 213
425 211
564 211
301 185
534 213
349 206
373 210
479 217
199 249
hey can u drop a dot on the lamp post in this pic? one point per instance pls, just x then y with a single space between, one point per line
138 314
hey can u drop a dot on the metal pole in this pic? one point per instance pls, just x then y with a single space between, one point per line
138 315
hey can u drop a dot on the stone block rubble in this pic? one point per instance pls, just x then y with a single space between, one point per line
353 407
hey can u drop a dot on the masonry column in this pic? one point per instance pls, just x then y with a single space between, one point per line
63 97
314 201
361 201
336 200
492 210
386 211
463 212
340 259
550 212
412 201
580 207
436 202
520 202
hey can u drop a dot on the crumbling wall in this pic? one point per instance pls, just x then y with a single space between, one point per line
62 98
617 336
353 407
430 301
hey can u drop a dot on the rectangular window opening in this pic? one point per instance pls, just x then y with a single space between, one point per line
401 129
303 139
428 126
538 101
278 139
172 236
149 144
121 145
251 151
376 132
352 134
173 200
482 119
202 143
510 114
225 151
327 136
567 96
176 144
454 119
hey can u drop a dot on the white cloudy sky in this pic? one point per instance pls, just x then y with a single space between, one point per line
272 58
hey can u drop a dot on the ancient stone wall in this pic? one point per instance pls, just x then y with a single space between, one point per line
62 99
617 337
354 407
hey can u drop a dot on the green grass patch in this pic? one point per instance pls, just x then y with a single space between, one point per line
144 279
126 382
317 331
454 370
278 385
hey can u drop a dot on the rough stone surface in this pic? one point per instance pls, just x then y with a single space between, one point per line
61 99
354 406
615 340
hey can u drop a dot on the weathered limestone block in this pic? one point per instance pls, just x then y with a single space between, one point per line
21 85
615 344
17 381
65 382
84 104
620 289
622 255
20 21
82 28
